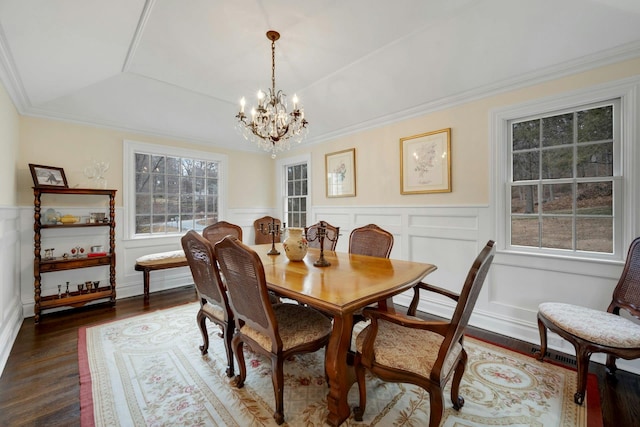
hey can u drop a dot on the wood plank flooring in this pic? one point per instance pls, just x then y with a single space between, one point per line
40 383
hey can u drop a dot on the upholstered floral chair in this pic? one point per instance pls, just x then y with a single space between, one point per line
402 348
594 331
214 304
277 331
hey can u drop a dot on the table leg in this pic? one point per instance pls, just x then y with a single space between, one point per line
340 379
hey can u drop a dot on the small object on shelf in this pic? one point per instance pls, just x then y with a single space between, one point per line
59 291
80 287
69 219
96 254
67 289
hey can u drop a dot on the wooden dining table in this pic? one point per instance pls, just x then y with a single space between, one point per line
351 282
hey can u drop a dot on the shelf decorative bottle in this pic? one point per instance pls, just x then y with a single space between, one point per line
295 245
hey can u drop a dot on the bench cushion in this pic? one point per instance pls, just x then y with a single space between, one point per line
599 327
160 258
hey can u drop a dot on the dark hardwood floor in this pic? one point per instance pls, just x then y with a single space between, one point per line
40 383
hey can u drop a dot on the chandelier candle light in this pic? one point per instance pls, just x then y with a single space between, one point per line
271 127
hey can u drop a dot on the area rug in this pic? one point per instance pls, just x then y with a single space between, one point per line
147 371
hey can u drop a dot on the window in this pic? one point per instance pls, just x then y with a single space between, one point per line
294 189
564 178
296 195
171 191
563 187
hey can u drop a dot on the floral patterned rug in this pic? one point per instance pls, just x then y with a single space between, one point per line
147 371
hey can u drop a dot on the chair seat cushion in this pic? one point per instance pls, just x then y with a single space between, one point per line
213 310
598 327
297 325
409 349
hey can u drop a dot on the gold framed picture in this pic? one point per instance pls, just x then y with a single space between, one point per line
340 169
425 163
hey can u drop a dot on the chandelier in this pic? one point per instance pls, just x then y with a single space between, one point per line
271 126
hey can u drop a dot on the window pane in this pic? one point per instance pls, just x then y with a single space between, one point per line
595 160
525 231
557 163
143 203
526 135
557 130
143 223
594 234
304 171
142 182
173 166
173 204
524 199
557 232
595 124
526 166
595 198
159 224
557 199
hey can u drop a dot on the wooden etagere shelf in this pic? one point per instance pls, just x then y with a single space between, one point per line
44 265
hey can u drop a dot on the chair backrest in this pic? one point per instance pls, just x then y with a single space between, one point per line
371 240
467 299
202 263
247 287
626 294
331 239
218 231
266 221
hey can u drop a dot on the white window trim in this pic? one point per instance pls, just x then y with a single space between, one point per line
128 180
627 90
281 182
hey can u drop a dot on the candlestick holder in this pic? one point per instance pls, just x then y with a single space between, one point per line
321 235
274 230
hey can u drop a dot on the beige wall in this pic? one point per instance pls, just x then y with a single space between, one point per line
378 150
9 141
72 147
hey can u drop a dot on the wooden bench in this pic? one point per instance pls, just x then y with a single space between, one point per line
159 261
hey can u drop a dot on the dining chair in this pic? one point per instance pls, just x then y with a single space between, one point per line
217 231
214 304
276 331
266 221
331 237
371 240
595 331
401 348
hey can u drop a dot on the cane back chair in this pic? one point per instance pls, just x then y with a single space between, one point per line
595 331
406 349
277 331
214 304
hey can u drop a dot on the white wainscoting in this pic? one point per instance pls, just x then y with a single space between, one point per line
451 237
10 306
447 236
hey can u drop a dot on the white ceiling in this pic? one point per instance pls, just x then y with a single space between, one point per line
178 68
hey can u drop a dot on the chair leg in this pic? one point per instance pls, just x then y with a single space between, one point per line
358 411
543 340
228 336
277 377
436 401
582 359
456 399
611 365
237 349
202 323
